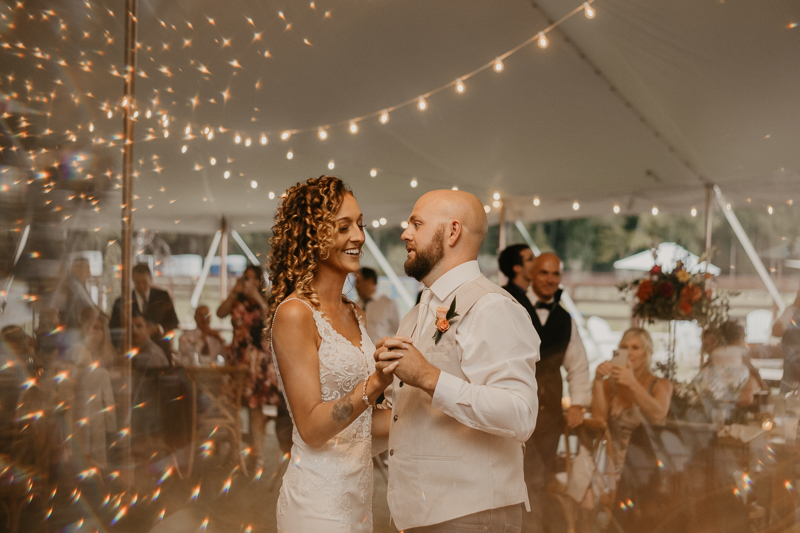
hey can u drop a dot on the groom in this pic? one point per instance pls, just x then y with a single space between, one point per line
464 393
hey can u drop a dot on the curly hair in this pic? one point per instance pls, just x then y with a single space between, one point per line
302 236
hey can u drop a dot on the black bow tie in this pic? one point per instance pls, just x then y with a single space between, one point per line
542 305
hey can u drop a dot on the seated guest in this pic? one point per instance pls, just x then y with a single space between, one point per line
625 397
148 353
383 317
201 345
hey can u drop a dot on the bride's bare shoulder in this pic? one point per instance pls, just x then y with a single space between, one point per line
292 314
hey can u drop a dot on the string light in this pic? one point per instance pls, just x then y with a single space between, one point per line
166 133
254 184
654 210
148 114
575 206
213 161
542 40
184 148
498 65
322 133
421 104
188 130
237 139
384 118
271 195
227 174
375 223
616 209
331 164
694 212
353 127
588 11
496 196
248 142
496 204
289 154
404 224
110 114
285 135
382 221
459 86
264 140
769 209
414 183
373 173
536 201
210 134
486 209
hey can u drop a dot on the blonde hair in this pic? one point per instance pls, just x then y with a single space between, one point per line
302 236
643 335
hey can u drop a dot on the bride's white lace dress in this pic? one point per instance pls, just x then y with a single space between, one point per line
329 488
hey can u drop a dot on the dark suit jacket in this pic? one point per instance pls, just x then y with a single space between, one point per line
159 308
521 296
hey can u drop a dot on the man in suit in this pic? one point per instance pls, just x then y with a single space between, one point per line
534 282
464 393
152 302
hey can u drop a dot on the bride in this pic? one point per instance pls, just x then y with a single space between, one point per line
324 360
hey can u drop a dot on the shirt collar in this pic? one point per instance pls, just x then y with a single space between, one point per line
536 297
454 278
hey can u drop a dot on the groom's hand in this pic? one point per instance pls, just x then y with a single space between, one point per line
411 366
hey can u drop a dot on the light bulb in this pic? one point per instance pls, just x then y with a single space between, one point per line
213 161
166 121
404 224
575 206
91 128
486 209
373 172
183 149
769 209
237 139
536 201
454 188
543 42
124 102
498 65
375 223
227 174
384 118
148 114
210 134
248 142
496 204
188 130
285 135
166 133
110 114
654 210
264 140
588 10
135 114
206 130
414 184
421 104
616 209
382 221
271 195
289 154
254 184
459 86
353 127
496 196
694 212
331 164
322 134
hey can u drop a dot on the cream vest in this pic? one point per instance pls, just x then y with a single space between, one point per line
440 469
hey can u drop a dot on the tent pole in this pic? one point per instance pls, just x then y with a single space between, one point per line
388 270
201 282
246 249
502 228
744 240
131 18
223 260
709 206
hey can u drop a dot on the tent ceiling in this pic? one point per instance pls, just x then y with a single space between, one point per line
703 91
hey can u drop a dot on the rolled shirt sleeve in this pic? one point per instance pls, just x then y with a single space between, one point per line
498 347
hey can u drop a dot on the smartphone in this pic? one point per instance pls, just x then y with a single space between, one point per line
620 358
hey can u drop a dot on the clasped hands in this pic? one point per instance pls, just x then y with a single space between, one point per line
399 357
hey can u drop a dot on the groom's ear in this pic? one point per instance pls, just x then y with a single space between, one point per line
455 230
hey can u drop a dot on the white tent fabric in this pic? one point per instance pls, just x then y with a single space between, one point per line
667 256
638 107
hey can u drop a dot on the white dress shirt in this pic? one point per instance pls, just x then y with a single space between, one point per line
142 300
498 348
575 361
383 317
192 342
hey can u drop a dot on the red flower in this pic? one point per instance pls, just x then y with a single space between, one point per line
666 290
645 290
686 307
655 270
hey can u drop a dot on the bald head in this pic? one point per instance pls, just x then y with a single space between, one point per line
445 229
546 275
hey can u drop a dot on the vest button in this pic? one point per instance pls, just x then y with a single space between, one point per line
395 418
391 452
401 383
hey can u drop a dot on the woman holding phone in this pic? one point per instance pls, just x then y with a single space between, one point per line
627 394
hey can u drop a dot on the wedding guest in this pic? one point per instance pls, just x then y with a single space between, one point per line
151 301
78 296
145 416
383 317
561 347
625 397
203 344
787 327
246 305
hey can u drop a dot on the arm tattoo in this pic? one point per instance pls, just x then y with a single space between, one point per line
342 409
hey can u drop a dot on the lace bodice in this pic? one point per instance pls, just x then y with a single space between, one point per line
333 480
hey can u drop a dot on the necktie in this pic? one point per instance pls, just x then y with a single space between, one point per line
542 305
424 302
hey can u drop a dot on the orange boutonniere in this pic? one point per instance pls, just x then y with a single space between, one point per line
444 317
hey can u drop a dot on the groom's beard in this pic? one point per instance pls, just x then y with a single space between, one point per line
425 259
